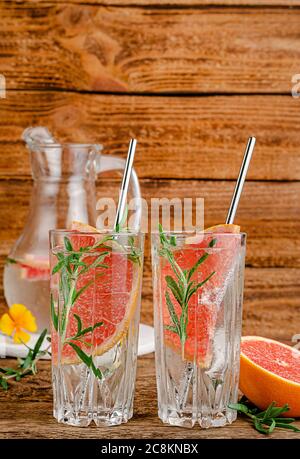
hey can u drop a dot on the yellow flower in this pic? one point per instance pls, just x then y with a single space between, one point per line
17 319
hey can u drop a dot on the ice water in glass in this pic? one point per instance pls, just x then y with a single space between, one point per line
95 307
198 295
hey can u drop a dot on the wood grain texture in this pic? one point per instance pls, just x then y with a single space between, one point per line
272 292
179 137
272 225
153 50
271 301
56 54
26 412
181 3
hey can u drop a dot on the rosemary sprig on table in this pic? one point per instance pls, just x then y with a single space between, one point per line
181 285
134 255
71 266
26 366
266 421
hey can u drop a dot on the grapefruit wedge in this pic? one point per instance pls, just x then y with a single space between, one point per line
203 306
111 298
270 371
34 268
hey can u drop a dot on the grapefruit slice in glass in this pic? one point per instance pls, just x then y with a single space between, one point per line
203 306
110 296
34 268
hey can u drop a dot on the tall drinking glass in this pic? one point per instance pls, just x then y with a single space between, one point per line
95 288
198 296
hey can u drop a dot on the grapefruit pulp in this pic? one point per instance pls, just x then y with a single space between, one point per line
203 306
270 371
110 298
34 268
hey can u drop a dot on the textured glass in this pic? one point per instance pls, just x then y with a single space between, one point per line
197 361
95 322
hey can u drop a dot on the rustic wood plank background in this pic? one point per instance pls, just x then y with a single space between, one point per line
191 79
145 50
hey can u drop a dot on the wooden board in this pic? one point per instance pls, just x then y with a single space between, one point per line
184 3
272 225
179 137
271 301
153 50
164 65
272 294
26 412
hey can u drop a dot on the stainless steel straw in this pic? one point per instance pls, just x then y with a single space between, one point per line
241 180
125 182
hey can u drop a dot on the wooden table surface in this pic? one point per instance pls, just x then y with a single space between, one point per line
191 80
26 412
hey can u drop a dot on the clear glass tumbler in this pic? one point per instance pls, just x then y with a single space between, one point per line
95 288
198 295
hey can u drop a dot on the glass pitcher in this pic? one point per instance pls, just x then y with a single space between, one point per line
64 189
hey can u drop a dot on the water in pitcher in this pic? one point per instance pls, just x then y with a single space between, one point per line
95 304
26 281
64 189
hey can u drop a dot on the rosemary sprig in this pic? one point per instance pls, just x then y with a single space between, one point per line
122 224
10 261
181 285
26 366
266 421
79 337
134 255
70 267
83 331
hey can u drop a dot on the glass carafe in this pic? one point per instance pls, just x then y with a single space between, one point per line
64 189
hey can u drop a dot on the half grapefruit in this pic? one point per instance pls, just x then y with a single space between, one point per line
270 371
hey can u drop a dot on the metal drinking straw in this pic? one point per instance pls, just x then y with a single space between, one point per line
241 180
125 182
